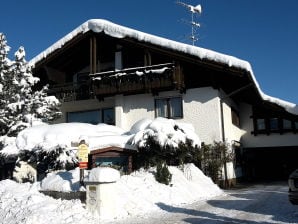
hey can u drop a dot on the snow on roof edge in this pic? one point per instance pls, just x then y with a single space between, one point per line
118 31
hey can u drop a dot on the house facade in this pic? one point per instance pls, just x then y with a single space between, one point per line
106 73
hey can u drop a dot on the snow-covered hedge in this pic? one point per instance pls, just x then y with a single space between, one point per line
53 147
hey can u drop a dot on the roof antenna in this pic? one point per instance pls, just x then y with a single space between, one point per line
194 25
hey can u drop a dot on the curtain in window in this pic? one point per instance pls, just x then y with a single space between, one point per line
175 107
161 107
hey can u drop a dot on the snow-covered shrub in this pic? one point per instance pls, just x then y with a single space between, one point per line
24 172
56 158
163 174
153 153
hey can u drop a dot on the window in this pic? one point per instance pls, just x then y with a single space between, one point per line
108 116
235 117
287 124
261 124
93 116
296 125
273 124
169 107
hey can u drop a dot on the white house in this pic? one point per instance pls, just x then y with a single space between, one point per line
104 72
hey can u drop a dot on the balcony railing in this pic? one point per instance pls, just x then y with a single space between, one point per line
126 81
134 80
72 91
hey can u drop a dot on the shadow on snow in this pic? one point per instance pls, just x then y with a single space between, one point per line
258 200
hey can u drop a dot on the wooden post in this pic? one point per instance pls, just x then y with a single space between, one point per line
83 152
93 48
94 54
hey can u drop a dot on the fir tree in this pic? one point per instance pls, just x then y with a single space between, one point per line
20 106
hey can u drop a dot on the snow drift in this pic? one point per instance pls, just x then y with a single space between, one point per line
137 195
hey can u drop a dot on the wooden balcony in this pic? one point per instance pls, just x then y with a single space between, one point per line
153 79
72 91
145 79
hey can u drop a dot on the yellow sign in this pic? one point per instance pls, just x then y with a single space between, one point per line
83 152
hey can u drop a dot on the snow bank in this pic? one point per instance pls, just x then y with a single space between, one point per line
23 204
64 181
139 193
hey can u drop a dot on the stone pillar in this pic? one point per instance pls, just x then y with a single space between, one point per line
101 192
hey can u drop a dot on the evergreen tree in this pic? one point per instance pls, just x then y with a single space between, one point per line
20 106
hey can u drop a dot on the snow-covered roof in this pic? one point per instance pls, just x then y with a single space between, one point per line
118 31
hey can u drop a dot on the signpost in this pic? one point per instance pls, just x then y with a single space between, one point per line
83 152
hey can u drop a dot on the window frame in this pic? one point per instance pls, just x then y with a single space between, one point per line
100 112
168 107
235 117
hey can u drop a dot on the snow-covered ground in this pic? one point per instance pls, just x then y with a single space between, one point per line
22 203
136 195
260 203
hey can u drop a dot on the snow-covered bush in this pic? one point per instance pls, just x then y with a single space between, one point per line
164 141
24 172
55 158
163 174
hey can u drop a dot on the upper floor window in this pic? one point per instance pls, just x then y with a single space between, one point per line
287 124
169 107
235 117
273 124
261 124
296 125
93 116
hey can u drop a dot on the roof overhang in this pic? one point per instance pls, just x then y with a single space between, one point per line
200 55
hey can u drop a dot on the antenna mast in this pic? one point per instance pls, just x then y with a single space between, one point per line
194 10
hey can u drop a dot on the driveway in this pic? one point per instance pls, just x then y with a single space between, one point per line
259 203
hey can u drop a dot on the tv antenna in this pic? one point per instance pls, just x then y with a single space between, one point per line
194 10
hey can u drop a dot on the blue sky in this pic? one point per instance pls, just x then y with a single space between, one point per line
263 32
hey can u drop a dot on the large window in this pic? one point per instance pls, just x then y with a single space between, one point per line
93 116
169 107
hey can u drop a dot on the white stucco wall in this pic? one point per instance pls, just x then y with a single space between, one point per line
130 109
232 132
262 140
201 108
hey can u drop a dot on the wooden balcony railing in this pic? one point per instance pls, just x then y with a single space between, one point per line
126 81
72 91
134 80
